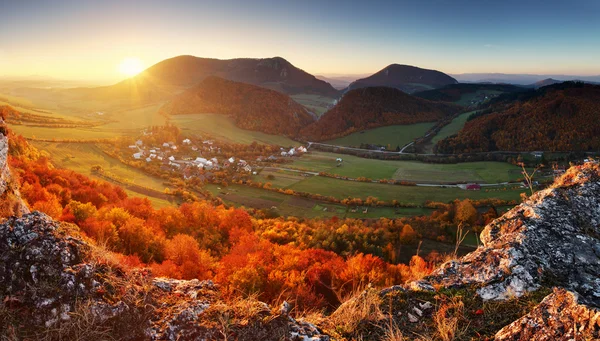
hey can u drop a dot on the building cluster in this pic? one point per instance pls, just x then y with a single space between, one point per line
199 158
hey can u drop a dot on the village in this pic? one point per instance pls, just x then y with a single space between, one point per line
201 158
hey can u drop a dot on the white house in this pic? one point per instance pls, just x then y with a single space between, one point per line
171 158
133 146
138 156
200 165
247 168
187 141
292 152
175 164
302 149
231 159
283 153
194 148
200 160
152 151
214 161
174 147
159 157
165 144
139 142
148 159
339 159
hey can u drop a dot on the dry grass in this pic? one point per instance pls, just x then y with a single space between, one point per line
363 308
448 317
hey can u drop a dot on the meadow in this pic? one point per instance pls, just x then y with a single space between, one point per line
353 166
223 128
394 136
453 127
315 103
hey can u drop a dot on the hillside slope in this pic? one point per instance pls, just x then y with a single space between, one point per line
169 76
374 107
250 106
407 78
560 117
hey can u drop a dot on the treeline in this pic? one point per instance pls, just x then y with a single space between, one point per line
13 116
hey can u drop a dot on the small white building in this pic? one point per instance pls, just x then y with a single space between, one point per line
139 142
159 158
174 147
339 159
214 161
247 168
153 156
194 148
171 158
284 154
231 159
138 156
133 146
165 145
187 141
292 152
302 149
148 159
201 160
153 151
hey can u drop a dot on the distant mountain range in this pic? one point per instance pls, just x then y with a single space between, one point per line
557 117
520 79
454 92
407 78
251 107
372 107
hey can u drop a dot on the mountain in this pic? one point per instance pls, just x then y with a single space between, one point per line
340 82
544 82
166 78
251 107
407 78
455 92
559 117
373 107
519 79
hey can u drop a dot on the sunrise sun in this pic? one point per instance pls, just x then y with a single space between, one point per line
131 66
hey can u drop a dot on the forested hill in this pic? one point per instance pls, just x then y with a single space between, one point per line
373 107
250 106
559 117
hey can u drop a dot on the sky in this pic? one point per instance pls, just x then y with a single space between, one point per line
87 40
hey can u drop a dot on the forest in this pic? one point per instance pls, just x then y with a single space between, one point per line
560 117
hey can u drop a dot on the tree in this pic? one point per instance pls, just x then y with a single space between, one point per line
466 213
407 235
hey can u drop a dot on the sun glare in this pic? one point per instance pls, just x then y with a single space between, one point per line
131 66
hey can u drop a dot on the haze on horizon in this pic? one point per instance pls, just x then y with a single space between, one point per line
89 40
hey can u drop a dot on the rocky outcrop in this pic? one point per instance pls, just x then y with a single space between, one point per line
558 317
10 198
551 239
52 278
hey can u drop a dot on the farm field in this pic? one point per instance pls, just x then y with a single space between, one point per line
287 205
315 103
404 194
80 157
63 133
466 99
395 136
448 130
223 127
353 166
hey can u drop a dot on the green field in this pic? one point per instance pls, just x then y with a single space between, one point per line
315 103
287 205
80 157
63 133
452 128
394 136
466 99
223 127
353 167
405 194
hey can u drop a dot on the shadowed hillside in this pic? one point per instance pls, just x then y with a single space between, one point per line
250 106
374 107
560 117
